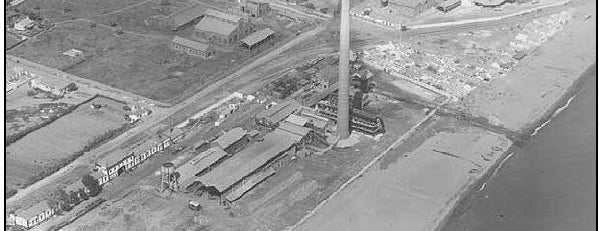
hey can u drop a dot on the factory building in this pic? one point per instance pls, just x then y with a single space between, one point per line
257 38
194 48
222 28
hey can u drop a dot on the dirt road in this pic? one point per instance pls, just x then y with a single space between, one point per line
202 99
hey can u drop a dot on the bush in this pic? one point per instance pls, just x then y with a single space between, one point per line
91 184
71 87
10 192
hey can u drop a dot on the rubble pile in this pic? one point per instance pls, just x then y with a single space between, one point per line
474 58
456 75
537 32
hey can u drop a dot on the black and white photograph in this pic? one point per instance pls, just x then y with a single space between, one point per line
300 115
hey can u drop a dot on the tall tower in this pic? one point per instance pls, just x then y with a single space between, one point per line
167 180
343 99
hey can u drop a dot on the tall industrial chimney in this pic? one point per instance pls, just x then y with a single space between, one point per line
343 99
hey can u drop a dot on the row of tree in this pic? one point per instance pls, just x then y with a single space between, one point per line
65 201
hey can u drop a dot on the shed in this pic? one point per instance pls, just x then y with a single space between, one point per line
184 17
192 47
490 3
257 38
449 5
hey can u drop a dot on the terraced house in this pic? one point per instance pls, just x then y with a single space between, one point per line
33 215
121 161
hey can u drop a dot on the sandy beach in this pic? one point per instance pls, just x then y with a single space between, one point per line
418 191
520 100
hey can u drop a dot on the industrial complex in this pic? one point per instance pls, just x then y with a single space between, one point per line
275 114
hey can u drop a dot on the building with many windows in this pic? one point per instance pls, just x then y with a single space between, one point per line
33 215
189 47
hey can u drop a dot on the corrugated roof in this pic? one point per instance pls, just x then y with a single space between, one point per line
295 129
257 36
218 14
298 120
34 210
230 137
182 17
249 184
215 26
279 111
199 163
248 160
189 43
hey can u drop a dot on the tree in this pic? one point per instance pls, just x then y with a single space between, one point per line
71 87
92 185
65 206
61 195
310 5
83 195
73 198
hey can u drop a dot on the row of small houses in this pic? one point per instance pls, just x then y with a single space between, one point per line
42 211
107 169
117 163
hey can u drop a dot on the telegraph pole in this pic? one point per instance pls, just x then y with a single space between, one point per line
343 99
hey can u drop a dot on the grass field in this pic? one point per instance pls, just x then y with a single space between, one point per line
138 60
60 10
49 146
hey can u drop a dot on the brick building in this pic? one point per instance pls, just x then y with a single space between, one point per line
190 47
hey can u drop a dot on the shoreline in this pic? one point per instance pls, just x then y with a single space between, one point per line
465 196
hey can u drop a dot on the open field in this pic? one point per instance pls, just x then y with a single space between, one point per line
58 10
140 60
12 40
49 146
